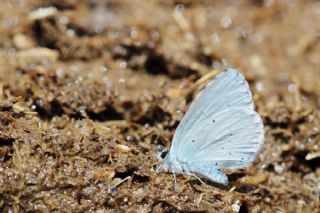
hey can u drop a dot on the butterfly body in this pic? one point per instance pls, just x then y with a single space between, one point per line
220 130
210 172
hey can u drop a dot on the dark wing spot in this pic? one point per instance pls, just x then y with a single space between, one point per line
202 112
192 141
213 121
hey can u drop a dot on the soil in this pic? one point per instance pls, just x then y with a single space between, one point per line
90 91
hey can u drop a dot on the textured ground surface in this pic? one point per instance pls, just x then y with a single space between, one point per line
89 92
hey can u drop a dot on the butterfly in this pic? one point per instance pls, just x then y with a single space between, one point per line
221 129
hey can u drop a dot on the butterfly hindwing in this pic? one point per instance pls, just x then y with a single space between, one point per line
231 141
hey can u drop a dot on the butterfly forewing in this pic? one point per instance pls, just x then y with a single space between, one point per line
228 90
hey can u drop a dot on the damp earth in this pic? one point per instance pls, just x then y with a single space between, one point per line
91 91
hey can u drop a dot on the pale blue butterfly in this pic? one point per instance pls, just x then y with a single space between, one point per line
220 130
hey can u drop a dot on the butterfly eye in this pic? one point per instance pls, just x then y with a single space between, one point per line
164 153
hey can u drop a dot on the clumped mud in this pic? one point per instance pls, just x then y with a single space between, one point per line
91 91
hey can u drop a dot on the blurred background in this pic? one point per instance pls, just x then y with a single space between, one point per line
90 89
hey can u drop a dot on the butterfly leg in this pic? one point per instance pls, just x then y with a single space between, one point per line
194 175
174 177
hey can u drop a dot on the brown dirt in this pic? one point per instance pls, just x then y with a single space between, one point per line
89 94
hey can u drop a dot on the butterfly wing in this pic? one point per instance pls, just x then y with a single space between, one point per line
221 128
228 89
232 141
211 173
